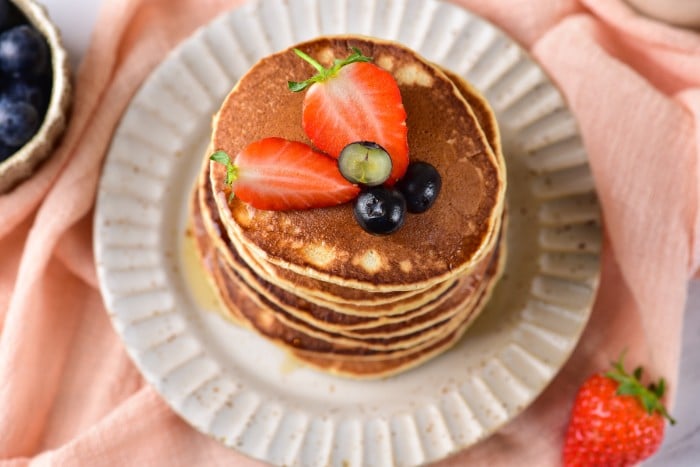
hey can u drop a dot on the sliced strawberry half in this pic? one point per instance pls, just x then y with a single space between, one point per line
278 175
353 101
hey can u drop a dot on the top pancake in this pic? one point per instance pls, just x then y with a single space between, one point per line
327 244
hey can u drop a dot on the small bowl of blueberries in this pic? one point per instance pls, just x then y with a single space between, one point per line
35 89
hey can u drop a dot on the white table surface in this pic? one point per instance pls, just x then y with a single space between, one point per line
681 448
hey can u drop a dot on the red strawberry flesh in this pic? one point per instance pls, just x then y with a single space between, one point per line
277 174
357 102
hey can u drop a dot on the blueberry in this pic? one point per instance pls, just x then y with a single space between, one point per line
9 15
365 162
6 151
29 92
23 52
4 12
380 210
420 186
18 122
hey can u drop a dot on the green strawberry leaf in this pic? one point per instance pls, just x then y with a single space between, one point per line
628 388
296 86
325 73
661 389
221 157
638 372
231 170
631 385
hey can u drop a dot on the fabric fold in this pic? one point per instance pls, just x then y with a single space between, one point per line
691 100
642 208
70 395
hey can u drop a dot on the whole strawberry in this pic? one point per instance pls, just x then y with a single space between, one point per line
616 421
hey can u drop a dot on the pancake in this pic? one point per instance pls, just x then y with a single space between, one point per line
259 315
305 336
238 259
312 282
351 305
326 244
208 257
482 111
259 312
322 293
313 311
371 324
342 299
333 357
366 307
394 364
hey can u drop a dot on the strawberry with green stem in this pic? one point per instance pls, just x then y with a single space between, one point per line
354 100
616 420
276 174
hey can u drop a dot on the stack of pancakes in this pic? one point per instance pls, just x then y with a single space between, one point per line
313 282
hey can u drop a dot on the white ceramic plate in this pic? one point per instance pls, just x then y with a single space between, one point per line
238 388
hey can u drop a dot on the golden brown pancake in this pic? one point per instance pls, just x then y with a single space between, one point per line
315 284
257 312
341 359
261 313
397 363
327 244
353 301
236 257
482 111
357 324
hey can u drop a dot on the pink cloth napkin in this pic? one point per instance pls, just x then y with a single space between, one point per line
69 395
